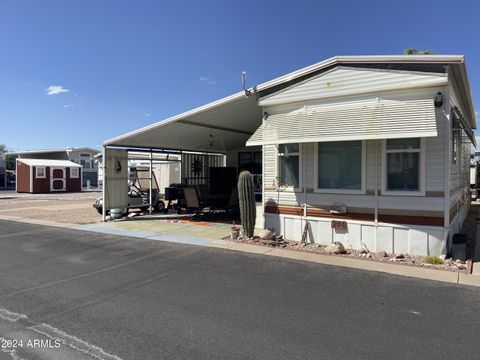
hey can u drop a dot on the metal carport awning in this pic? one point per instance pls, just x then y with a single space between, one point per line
382 119
217 127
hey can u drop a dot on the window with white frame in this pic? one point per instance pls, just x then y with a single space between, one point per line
74 173
40 172
403 161
339 165
289 165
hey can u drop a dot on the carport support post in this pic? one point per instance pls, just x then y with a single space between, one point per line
104 183
150 187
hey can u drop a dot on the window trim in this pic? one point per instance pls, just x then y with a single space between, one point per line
300 169
363 187
421 182
78 173
44 172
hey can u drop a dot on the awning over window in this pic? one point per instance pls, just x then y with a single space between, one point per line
465 125
383 119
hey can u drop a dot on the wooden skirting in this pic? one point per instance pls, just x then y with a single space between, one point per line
368 192
387 218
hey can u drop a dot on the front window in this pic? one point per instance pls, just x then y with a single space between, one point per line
74 172
40 172
403 164
339 165
289 165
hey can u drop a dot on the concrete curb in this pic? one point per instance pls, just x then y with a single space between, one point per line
395 269
402 270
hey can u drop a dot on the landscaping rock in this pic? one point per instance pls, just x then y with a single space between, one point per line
266 234
381 254
335 248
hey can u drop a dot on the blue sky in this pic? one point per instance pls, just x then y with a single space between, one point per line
127 64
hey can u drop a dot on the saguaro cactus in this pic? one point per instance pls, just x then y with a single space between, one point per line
246 199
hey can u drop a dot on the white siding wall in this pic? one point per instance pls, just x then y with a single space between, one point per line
459 174
424 240
434 173
343 81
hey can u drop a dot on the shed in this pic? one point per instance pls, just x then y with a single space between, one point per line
45 176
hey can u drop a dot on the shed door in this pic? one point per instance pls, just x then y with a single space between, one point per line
57 179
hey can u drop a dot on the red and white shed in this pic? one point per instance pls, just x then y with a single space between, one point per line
44 176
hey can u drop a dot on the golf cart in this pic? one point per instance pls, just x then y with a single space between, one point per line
138 192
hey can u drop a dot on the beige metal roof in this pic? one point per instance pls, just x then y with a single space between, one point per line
46 162
227 124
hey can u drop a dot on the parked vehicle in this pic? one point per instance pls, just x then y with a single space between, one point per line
138 192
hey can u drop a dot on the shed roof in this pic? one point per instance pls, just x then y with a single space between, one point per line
226 124
47 162
48 151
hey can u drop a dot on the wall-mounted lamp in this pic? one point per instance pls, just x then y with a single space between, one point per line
211 141
118 167
438 100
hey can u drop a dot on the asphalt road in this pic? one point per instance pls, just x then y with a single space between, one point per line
107 297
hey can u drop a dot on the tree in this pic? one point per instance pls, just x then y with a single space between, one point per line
10 160
413 51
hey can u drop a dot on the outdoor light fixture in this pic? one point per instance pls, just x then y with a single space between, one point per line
211 141
118 168
438 100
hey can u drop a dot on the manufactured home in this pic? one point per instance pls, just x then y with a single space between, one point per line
46 176
371 151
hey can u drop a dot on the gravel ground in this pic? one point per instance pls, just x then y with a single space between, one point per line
75 208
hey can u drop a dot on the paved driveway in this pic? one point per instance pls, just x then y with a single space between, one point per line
113 297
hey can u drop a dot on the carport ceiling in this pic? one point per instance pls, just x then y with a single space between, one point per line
220 126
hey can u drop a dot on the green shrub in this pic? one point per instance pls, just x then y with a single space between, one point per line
435 260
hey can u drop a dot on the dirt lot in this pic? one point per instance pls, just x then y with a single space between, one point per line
74 208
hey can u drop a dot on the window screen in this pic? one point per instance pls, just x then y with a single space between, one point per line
340 165
289 165
403 164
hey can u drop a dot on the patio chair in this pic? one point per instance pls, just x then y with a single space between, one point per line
192 200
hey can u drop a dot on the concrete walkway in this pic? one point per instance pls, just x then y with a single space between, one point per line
210 234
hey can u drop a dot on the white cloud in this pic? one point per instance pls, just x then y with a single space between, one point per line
207 80
56 89
69 106
147 114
